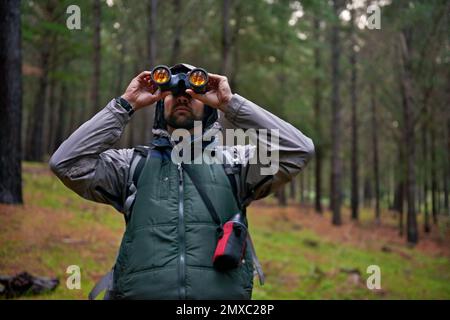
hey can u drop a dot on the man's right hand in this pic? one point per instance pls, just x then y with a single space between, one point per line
142 91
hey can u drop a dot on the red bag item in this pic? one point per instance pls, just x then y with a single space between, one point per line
231 246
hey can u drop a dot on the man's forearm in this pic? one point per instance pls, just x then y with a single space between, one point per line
92 138
244 114
295 149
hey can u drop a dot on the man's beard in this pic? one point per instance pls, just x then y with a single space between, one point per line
181 122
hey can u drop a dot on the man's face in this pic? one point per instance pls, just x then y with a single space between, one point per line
182 111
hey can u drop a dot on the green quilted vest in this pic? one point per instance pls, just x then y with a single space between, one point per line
170 238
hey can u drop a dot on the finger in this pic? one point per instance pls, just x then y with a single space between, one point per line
195 95
152 86
144 74
161 95
216 78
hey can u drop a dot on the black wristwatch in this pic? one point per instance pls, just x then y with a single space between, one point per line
125 104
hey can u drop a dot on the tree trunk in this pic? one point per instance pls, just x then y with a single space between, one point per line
367 192
10 103
397 204
318 120
119 89
336 167
152 16
225 67
353 95
51 113
409 141
147 114
281 195
302 188
447 161
376 173
434 186
62 110
176 44
96 58
35 134
425 179
293 189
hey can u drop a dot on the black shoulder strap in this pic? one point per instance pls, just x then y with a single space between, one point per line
140 154
198 185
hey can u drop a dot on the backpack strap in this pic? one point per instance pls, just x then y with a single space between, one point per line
198 185
105 283
138 160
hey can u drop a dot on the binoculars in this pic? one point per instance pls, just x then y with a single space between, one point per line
195 79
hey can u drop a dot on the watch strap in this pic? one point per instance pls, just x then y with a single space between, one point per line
125 104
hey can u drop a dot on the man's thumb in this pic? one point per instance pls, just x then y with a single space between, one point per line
194 95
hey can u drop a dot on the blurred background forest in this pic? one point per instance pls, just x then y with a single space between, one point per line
374 101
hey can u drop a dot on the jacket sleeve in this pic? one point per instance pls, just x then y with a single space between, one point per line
86 163
294 148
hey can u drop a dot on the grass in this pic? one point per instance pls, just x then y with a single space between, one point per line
303 256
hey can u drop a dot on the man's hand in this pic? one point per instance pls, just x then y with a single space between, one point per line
142 91
218 93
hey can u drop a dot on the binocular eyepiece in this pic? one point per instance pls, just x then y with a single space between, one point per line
195 79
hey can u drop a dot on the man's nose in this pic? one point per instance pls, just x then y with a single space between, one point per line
183 99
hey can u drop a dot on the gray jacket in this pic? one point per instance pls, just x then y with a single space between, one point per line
87 164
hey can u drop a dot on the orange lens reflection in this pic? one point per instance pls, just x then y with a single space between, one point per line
197 78
160 75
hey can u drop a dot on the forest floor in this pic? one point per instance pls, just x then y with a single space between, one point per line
303 255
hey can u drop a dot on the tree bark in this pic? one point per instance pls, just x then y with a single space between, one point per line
336 166
376 173
121 69
434 182
10 103
353 95
302 188
152 16
293 189
51 114
426 227
225 67
398 206
281 195
409 141
35 134
176 44
148 114
96 58
318 120
60 123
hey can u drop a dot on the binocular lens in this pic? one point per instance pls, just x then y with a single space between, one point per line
198 78
161 75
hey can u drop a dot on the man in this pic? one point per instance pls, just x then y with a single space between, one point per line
171 236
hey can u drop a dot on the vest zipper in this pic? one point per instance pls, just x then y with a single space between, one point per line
181 236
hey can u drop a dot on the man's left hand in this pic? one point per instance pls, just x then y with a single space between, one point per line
218 93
